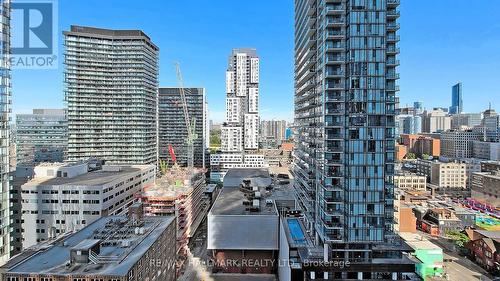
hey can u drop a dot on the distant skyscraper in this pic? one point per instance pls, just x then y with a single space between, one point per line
5 94
172 125
41 136
345 106
418 107
240 131
456 99
273 129
111 81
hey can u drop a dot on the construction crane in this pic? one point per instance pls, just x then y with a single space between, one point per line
190 122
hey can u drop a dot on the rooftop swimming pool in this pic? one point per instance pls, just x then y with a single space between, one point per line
296 232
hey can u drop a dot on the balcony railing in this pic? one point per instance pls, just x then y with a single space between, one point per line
393 26
393 13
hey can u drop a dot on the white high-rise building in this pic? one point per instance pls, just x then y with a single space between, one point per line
240 132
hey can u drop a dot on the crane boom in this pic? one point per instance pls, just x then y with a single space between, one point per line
190 123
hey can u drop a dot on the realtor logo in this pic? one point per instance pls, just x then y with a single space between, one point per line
33 34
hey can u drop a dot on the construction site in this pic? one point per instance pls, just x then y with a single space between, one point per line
178 192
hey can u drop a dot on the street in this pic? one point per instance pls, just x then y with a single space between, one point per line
458 267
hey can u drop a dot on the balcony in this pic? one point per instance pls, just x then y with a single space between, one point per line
335 148
332 97
393 26
334 86
335 47
392 62
334 9
333 199
334 74
393 38
392 50
331 224
334 172
331 22
334 124
392 88
392 3
393 14
335 34
334 108
334 161
335 59
331 187
392 75
312 9
333 235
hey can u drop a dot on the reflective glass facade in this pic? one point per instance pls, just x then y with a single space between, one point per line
5 102
172 125
456 99
41 136
345 102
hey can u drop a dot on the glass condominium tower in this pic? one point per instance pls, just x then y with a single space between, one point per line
456 99
345 101
111 90
5 94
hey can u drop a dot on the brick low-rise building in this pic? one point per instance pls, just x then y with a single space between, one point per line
485 249
422 144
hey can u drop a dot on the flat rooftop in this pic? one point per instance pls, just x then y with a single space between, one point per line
258 177
231 198
230 202
418 242
93 178
121 257
89 31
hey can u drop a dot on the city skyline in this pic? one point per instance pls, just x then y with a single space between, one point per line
189 41
312 140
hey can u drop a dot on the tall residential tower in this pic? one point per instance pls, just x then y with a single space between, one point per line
5 101
172 129
240 132
111 88
345 102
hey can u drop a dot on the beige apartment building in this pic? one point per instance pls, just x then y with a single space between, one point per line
449 175
410 181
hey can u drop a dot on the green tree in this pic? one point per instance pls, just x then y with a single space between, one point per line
215 138
410 155
458 237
